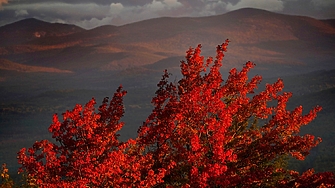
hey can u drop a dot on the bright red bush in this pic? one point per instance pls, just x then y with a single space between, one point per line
202 132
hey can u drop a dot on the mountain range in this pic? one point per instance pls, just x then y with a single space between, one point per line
263 37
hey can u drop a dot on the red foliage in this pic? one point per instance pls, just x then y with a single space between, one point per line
88 153
202 132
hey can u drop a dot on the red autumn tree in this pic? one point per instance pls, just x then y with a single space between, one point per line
202 132
88 152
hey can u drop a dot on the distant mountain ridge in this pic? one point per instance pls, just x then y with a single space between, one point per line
264 37
11 66
29 29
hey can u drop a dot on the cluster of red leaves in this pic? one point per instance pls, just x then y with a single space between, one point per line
202 132
88 153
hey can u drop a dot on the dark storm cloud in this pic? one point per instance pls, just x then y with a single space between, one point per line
89 13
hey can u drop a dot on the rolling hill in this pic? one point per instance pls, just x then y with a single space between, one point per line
30 29
261 36
11 66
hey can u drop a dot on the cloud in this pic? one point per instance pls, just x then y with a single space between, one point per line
323 9
270 5
323 3
59 9
91 15
156 6
21 13
206 8
93 22
115 8
172 3
119 14
213 7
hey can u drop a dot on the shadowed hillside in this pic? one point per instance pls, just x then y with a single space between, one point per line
8 65
31 29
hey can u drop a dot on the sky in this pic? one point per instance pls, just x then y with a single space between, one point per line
93 13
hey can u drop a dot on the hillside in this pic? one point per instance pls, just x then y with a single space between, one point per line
330 22
30 29
269 39
11 66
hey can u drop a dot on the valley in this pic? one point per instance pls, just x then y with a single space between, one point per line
47 68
